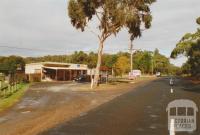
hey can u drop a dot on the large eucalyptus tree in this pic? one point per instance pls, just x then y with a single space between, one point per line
112 16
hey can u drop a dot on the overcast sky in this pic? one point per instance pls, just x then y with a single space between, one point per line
43 27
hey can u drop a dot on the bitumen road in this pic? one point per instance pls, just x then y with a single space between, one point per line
141 111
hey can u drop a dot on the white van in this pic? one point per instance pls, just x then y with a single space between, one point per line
134 74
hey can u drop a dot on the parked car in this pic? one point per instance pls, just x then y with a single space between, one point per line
158 74
81 78
134 74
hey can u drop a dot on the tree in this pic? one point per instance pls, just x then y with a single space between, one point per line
160 62
51 58
122 65
189 46
112 16
145 62
11 64
142 60
198 20
185 44
79 57
194 59
92 60
109 60
174 70
186 69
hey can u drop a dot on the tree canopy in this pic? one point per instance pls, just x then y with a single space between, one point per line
194 59
122 65
189 46
142 60
160 62
112 15
11 64
187 41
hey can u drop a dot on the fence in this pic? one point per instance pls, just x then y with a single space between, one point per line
8 89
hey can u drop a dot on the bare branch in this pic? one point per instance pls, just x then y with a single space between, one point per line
98 17
96 34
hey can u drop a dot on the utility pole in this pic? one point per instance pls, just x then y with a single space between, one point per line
131 52
152 66
152 63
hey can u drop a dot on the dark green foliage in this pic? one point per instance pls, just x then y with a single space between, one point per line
198 20
11 64
92 60
194 59
174 70
79 57
84 58
186 68
147 61
160 62
51 58
142 60
184 45
109 60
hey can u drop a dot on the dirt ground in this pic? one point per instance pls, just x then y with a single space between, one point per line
45 105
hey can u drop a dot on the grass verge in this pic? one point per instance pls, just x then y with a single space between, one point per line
15 97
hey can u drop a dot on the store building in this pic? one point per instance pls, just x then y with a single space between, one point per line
54 71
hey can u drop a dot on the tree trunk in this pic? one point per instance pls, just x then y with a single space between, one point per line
97 71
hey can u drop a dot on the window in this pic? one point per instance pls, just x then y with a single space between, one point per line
173 111
190 111
181 111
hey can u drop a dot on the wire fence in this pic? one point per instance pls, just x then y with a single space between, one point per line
8 89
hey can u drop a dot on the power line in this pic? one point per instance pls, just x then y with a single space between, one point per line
36 49
29 49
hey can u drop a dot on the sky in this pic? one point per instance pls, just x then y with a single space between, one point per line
43 28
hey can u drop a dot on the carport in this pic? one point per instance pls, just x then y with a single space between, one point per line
54 71
60 74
